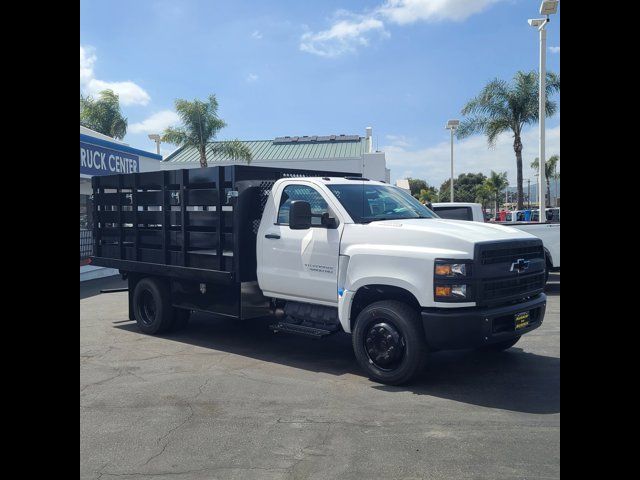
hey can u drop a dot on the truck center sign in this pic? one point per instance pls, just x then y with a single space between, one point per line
96 160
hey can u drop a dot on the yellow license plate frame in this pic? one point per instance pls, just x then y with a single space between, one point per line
522 320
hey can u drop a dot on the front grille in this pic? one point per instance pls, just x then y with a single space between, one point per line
512 287
498 281
505 255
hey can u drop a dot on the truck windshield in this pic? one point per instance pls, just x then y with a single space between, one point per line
369 203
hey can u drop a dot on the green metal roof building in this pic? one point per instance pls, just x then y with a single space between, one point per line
348 153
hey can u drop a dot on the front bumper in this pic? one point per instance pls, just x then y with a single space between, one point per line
452 328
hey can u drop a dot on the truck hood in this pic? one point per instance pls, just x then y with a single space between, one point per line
452 236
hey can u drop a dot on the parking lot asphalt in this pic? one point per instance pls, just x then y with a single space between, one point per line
231 400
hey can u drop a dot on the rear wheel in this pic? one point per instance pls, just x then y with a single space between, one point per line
389 342
152 306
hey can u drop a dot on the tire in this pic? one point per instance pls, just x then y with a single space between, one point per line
383 325
180 319
500 346
152 306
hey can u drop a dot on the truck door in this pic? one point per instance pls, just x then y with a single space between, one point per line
300 264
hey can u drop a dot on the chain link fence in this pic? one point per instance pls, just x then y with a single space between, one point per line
86 246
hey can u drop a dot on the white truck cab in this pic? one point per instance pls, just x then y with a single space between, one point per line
367 238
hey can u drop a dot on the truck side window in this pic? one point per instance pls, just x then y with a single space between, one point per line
301 192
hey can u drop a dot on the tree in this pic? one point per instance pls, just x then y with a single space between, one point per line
549 173
422 190
200 126
103 115
464 187
428 195
507 107
495 183
416 185
484 194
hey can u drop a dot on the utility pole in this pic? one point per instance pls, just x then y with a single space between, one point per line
452 126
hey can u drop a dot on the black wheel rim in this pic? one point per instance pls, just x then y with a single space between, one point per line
385 346
147 307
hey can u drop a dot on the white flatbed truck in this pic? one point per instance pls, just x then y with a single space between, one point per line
320 252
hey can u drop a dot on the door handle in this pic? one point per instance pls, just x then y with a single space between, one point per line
272 235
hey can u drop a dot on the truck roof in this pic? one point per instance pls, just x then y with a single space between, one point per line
341 180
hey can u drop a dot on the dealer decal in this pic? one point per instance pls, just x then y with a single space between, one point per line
319 268
96 160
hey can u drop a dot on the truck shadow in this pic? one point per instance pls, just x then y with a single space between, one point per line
91 288
514 380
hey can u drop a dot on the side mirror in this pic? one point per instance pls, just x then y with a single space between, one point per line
300 215
327 221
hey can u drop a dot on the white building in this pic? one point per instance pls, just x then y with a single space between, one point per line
103 155
339 153
403 183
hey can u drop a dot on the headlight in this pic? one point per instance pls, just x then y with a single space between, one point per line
446 269
451 292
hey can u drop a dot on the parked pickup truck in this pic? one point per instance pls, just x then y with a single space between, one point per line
548 232
320 252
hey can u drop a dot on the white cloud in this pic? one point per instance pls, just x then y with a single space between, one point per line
346 35
87 59
554 49
470 155
398 141
252 77
256 34
409 11
129 92
155 123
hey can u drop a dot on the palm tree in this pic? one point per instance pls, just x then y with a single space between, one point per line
484 194
502 107
495 183
103 115
549 172
200 126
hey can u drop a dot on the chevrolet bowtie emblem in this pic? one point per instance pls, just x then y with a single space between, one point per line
520 265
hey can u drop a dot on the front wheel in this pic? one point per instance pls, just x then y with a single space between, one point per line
389 342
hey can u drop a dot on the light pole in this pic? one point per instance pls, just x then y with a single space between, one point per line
528 194
452 126
547 7
555 177
156 138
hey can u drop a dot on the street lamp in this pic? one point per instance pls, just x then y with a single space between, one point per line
547 7
452 126
156 138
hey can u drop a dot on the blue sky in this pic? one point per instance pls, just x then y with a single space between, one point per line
315 68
